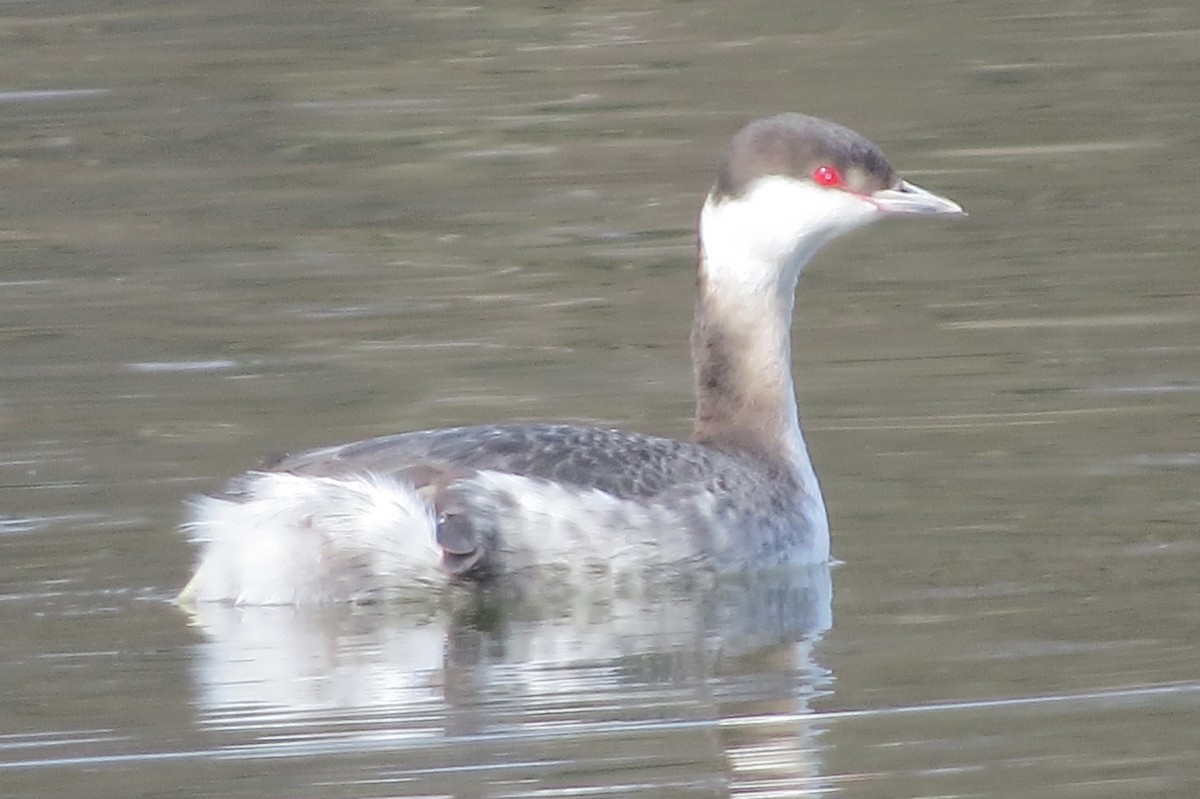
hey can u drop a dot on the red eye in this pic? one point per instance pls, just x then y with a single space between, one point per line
827 176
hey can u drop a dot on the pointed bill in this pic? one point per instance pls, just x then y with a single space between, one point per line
908 199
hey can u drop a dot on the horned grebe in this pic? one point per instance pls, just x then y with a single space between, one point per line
538 503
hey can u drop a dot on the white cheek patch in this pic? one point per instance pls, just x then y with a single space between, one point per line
762 239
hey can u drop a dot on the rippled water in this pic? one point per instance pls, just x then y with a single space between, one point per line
232 230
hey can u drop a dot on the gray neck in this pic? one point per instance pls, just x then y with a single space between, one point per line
741 351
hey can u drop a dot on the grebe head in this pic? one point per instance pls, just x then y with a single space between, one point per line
789 185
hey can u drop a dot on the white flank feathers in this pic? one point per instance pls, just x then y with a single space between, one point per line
289 539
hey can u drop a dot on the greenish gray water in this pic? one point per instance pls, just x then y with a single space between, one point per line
230 230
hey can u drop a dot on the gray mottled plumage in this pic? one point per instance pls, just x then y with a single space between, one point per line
684 479
624 464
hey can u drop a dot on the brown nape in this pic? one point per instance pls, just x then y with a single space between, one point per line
793 145
741 406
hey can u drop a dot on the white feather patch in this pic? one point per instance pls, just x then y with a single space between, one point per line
292 539
550 532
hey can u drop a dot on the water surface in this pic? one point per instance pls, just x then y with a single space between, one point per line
234 230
